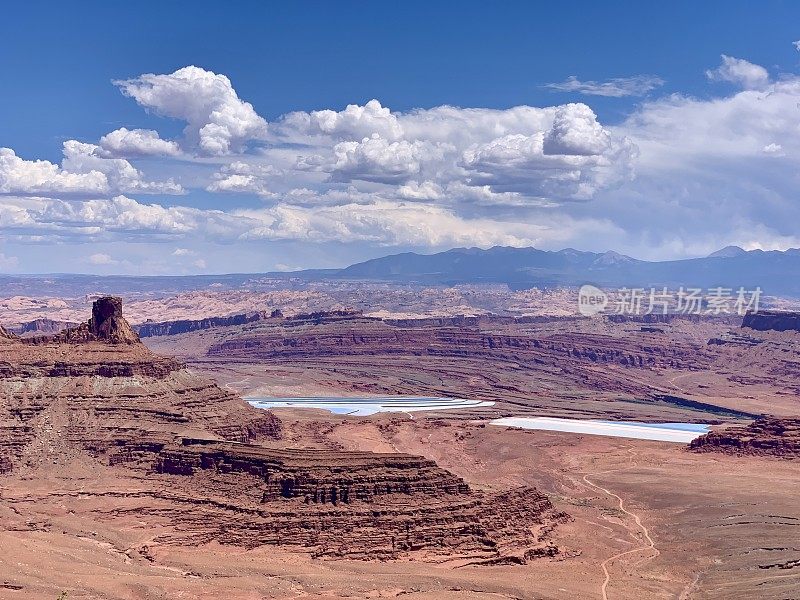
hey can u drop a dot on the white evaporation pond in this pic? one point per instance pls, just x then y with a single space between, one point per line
663 432
365 406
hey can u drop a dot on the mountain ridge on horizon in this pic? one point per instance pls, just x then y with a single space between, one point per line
776 272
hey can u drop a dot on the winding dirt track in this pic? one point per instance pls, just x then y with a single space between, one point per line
649 546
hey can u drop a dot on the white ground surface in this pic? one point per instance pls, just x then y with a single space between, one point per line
370 406
663 432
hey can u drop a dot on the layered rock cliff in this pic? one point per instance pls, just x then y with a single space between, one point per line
39 327
176 448
765 437
370 337
341 504
569 358
96 383
150 329
772 320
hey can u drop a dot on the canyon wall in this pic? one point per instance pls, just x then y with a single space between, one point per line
763 437
91 385
772 320
377 337
338 504
150 329
216 469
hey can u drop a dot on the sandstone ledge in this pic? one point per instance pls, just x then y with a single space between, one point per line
764 437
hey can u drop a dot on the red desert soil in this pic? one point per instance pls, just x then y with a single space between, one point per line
721 526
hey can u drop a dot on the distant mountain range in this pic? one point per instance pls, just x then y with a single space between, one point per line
777 273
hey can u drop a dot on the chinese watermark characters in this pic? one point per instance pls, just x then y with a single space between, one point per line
683 301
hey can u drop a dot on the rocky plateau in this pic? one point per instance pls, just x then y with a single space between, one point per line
214 469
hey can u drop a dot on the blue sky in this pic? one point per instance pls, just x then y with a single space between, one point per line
691 151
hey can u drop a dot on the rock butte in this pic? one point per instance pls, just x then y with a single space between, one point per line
772 320
218 470
766 437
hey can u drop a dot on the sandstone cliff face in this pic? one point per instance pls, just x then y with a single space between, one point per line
377 337
766 437
774 320
91 385
571 359
356 505
316 476
42 327
187 325
94 395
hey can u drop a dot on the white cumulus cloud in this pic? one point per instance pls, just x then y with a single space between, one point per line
571 160
218 121
42 177
128 143
379 160
242 178
560 151
576 132
354 122
83 171
680 175
709 173
120 217
120 174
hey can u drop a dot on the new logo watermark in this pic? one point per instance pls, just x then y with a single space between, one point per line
591 300
594 301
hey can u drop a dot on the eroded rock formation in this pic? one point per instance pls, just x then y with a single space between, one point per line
768 437
187 325
215 469
349 504
106 325
775 320
41 327
94 384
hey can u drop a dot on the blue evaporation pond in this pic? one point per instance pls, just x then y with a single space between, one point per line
696 427
365 406
665 432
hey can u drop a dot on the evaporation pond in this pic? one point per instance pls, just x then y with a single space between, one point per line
364 406
663 432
